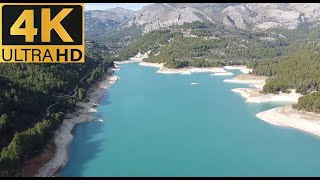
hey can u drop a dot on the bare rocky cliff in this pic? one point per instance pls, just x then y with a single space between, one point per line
247 16
99 21
261 16
160 15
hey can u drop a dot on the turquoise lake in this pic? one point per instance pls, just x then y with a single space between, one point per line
161 125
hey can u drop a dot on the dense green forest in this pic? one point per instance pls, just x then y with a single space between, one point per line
181 45
310 103
188 44
27 90
150 41
298 70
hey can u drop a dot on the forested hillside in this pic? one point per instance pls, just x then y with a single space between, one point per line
181 45
151 41
289 57
27 90
298 70
217 45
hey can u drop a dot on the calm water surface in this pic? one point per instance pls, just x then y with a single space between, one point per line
161 125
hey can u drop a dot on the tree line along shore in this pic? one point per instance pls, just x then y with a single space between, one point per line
289 61
34 99
289 66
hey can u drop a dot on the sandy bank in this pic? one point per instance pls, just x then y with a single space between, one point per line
282 116
289 117
128 61
189 70
137 58
246 70
158 65
216 71
63 136
253 95
222 74
243 69
254 81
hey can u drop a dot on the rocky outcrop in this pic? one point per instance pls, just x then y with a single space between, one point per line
160 15
261 16
250 16
246 16
99 21
115 14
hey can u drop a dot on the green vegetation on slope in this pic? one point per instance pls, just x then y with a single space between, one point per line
27 90
181 45
27 143
289 57
298 70
150 41
310 103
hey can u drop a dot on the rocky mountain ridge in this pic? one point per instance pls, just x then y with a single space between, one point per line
245 16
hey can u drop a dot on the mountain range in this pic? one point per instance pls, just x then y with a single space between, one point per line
245 16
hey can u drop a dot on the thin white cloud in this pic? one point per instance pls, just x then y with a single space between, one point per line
103 6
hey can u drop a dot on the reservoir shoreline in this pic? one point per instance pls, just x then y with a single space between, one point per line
300 120
55 156
275 116
308 122
282 116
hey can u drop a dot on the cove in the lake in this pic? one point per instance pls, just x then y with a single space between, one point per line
152 124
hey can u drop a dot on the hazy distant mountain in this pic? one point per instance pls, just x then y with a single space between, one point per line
249 16
246 16
266 15
99 21
159 15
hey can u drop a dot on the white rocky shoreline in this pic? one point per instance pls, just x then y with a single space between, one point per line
282 116
63 136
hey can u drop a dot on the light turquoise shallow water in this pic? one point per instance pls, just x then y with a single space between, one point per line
160 125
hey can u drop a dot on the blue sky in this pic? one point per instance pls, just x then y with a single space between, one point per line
103 6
